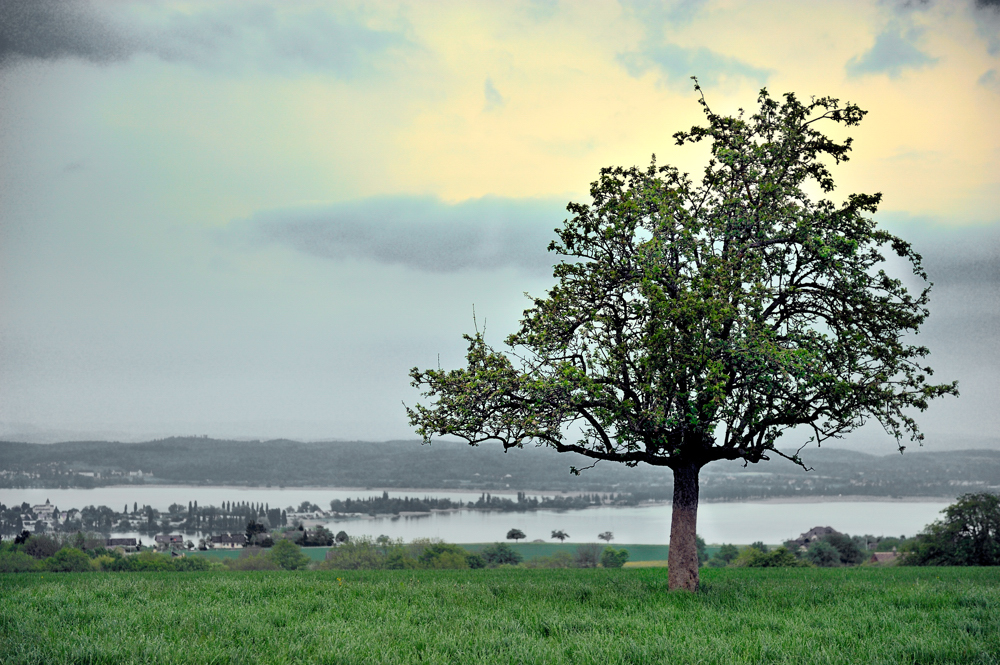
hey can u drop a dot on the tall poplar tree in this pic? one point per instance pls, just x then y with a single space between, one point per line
693 322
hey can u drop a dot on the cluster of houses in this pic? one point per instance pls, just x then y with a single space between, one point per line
175 543
44 513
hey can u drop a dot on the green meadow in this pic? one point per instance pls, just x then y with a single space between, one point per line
516 615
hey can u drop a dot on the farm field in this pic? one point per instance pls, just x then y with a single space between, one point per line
870 615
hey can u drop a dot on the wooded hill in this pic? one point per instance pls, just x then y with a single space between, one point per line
445 465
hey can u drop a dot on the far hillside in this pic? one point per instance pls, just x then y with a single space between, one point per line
445 465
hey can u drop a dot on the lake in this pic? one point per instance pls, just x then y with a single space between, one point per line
741 523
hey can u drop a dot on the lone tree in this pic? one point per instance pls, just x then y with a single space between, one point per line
606 536
515 535
560 535
699 322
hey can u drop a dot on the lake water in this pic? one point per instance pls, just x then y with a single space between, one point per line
771 522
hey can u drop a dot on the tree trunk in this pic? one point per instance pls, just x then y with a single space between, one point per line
682 560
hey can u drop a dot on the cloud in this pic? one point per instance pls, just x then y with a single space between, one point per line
419 232
52 29
990 79
675 63
986 15
657 15
678 64
232 36
494 100
892 52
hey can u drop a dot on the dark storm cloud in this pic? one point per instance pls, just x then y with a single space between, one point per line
892 53
51 29
422 233
226 37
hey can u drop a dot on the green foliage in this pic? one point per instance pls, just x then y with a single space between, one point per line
493 617
724 556
41 547
847 549
365 554
499 554
823 553
144 562
968 535
738 305
696 322
443 556
254 530
560 559
384 554
612 558
288 555
888 544
14 561
68 560
252 558
751 557
587 555
515 535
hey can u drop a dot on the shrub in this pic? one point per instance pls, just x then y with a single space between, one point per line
143 562
751 557
41 547
611 558
69 560
499 554
254 562
443 556
822 553
560 559
288 555
18 562
588 555
475 561
186 564
723 557
104 561
847 549
358 554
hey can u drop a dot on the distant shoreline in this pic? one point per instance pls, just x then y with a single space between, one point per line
368 491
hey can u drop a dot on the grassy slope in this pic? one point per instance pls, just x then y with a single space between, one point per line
868 615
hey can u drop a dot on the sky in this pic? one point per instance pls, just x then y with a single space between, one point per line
251 219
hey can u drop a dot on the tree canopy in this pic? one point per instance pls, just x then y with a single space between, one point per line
967 535
693 322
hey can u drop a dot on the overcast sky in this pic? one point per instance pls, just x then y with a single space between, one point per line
251 219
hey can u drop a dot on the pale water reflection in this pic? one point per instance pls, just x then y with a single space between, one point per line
717 522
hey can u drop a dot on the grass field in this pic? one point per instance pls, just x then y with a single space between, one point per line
860 615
